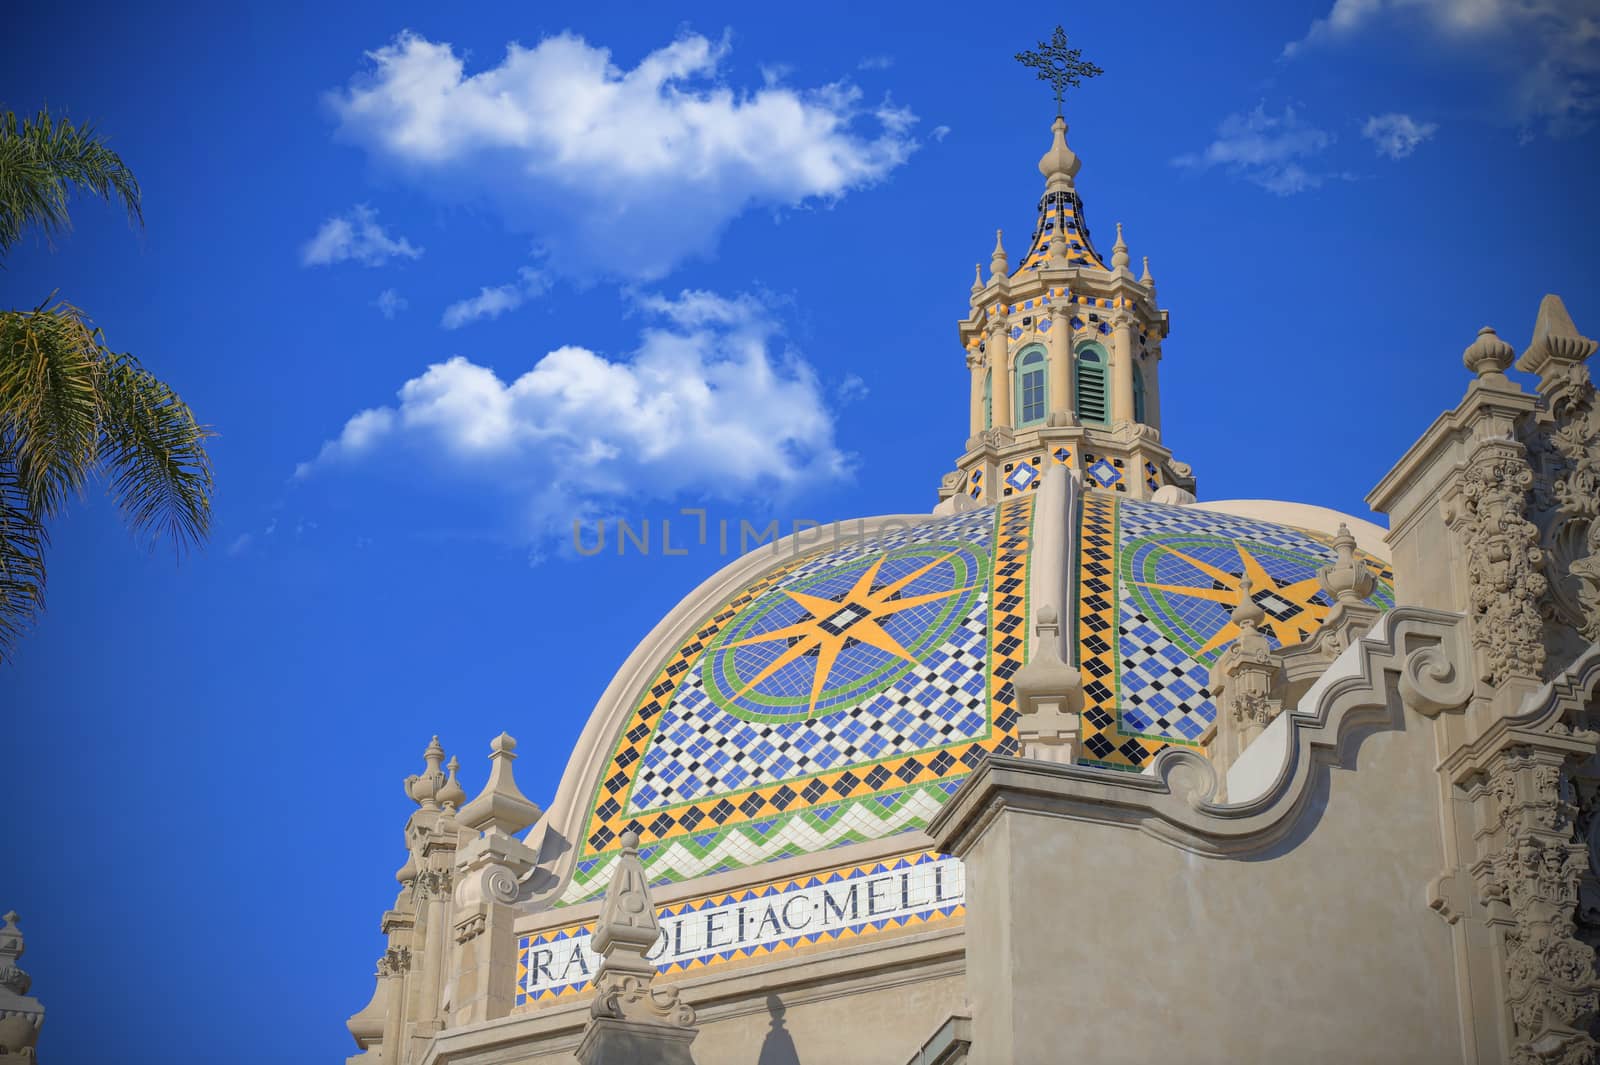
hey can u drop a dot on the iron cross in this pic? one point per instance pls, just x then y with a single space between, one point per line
1059 65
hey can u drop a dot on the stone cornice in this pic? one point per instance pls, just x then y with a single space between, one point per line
1173 799
1450 428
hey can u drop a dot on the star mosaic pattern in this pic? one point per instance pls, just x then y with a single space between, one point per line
786 725
785 717
1157 587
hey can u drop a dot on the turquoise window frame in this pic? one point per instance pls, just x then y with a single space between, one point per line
1033 387
1090 380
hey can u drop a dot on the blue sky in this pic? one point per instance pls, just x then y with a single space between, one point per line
438 299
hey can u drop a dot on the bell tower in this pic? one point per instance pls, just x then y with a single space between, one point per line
1064 356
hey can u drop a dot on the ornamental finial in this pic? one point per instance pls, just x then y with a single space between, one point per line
998 267
1059 65
1119 251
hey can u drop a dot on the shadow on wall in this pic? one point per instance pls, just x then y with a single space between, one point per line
778 1047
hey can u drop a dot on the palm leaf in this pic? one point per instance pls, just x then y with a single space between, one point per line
22 543
41 160
154 452
51 363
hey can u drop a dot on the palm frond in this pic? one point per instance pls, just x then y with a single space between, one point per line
41 160
154 451
22 544
51 363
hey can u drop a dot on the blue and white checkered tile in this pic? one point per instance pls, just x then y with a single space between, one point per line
1164 692
1143 519
701 748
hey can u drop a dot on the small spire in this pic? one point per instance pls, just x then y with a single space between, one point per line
998 266
977 278
1248 614
501 806
626 930
450 794
1119 251
1145 278
1346 580
1060 164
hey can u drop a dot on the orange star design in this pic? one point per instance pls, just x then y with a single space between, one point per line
1287 630
855 615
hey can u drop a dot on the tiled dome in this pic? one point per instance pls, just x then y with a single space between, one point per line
844 694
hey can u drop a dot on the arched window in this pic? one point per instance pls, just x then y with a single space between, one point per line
1032 402
1090 379
1138 393
988 399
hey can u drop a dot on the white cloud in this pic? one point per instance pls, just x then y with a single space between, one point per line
620 172
1549 49
356 235
240 545
939 133
1397 135
1265 149
390 303
708 404
852 388
876 62
491 303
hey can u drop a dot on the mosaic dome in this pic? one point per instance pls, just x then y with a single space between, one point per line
844 694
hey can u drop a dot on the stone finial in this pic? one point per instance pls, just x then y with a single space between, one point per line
998 265
500 806
1060 164
1488 356
977 278
451 796
1346 580
11 948
627 1012
1557 354
1555 338
1247 613
627 927
20 1016
424 787
1119 252
1145 278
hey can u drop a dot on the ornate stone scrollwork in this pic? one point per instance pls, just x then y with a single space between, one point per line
434 884
1566 499
394 961
632 998
1503 563
1531 878
1431 684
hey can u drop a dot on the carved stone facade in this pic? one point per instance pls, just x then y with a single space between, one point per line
21 1017
1563 440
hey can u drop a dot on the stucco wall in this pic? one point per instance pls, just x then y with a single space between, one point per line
1124 948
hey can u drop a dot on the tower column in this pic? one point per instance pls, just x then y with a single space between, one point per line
975 414
1121 367
1060 362
1152 387
999 352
